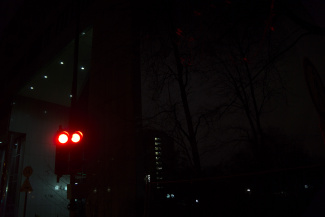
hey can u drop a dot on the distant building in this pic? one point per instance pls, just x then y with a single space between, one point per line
160 157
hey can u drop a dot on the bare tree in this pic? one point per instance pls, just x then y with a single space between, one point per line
217 65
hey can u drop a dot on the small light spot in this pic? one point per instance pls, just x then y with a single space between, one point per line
82 68
248 189
83 33
0 142
61 62
306 186
76 183
32 88
66 188
196 201
108 190
45 112
95 190
56 187
45 76
70 95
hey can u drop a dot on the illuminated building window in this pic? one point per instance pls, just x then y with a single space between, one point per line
157 148
157 139
157 153
148 178
157 143
158 163
159 168
157 158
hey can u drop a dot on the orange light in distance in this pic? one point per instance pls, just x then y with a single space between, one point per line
63 137
76 137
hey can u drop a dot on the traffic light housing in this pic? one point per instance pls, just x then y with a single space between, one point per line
69 152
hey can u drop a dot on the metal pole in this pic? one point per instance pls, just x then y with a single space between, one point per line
74 89
25 203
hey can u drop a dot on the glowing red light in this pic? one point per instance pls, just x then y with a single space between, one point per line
76 137
63 137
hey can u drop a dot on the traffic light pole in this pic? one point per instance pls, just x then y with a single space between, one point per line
74 89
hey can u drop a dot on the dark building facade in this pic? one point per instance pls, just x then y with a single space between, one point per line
39 59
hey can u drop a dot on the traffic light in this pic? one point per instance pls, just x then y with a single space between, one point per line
64 138
69 152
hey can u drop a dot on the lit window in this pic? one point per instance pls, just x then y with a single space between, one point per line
157 143
157 148
83 33
306 186
61 62
159 178
168 196
159 168
172 195
66 188
157 153
70 95
56 187
196 201
248 189
45 76
32 88
148 178
157 138
82 68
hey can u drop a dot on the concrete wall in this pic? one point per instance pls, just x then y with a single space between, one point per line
40 121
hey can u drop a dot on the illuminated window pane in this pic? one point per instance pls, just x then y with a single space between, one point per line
159 168
157 138
157 148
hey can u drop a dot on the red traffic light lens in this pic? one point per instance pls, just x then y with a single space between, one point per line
76 137
63 137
